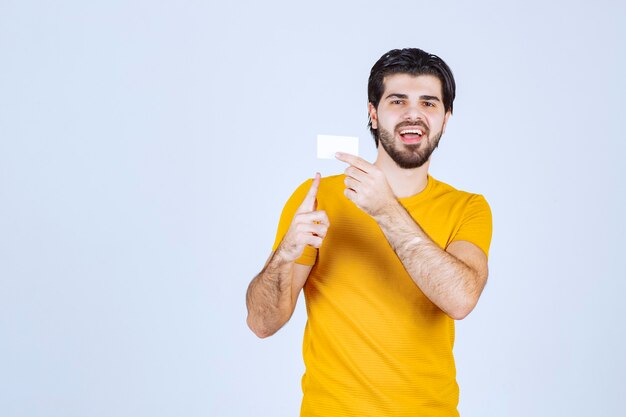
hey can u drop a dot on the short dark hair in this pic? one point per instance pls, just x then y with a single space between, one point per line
411 61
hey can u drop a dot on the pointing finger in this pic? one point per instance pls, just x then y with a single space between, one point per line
310 203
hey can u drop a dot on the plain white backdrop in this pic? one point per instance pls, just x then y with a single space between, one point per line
147 148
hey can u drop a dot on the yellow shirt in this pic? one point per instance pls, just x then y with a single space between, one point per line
374 344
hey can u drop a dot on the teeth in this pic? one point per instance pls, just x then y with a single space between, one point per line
417 131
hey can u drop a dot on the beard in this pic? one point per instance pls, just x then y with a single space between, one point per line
409 156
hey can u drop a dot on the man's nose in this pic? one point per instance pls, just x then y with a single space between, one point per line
413 112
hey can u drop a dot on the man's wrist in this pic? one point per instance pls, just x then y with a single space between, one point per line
388 211
281 257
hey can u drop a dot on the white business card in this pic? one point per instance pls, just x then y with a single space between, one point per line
328 145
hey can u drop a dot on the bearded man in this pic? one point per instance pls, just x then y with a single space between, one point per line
388 257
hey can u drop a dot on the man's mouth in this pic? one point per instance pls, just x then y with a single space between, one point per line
411 135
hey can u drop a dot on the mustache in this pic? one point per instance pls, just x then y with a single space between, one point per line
414 123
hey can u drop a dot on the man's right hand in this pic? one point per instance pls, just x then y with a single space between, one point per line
308 227
273 293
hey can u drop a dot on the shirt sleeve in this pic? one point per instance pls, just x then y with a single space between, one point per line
309 255
476 224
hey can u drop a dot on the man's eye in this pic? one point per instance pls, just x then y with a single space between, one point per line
396 102
429 104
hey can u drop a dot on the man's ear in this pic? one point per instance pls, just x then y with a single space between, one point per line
445 122
373 115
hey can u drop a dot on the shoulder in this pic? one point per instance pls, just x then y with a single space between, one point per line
445 198
446 191
332 184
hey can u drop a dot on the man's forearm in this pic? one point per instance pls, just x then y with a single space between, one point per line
269 297
445 280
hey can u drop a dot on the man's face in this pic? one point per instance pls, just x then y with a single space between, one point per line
410 118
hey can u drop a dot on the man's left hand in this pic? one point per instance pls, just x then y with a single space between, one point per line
366 185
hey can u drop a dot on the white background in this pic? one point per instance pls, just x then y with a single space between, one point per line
147 148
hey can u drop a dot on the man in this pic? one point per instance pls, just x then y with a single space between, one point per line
388 258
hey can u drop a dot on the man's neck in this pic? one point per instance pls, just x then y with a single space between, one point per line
403 182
